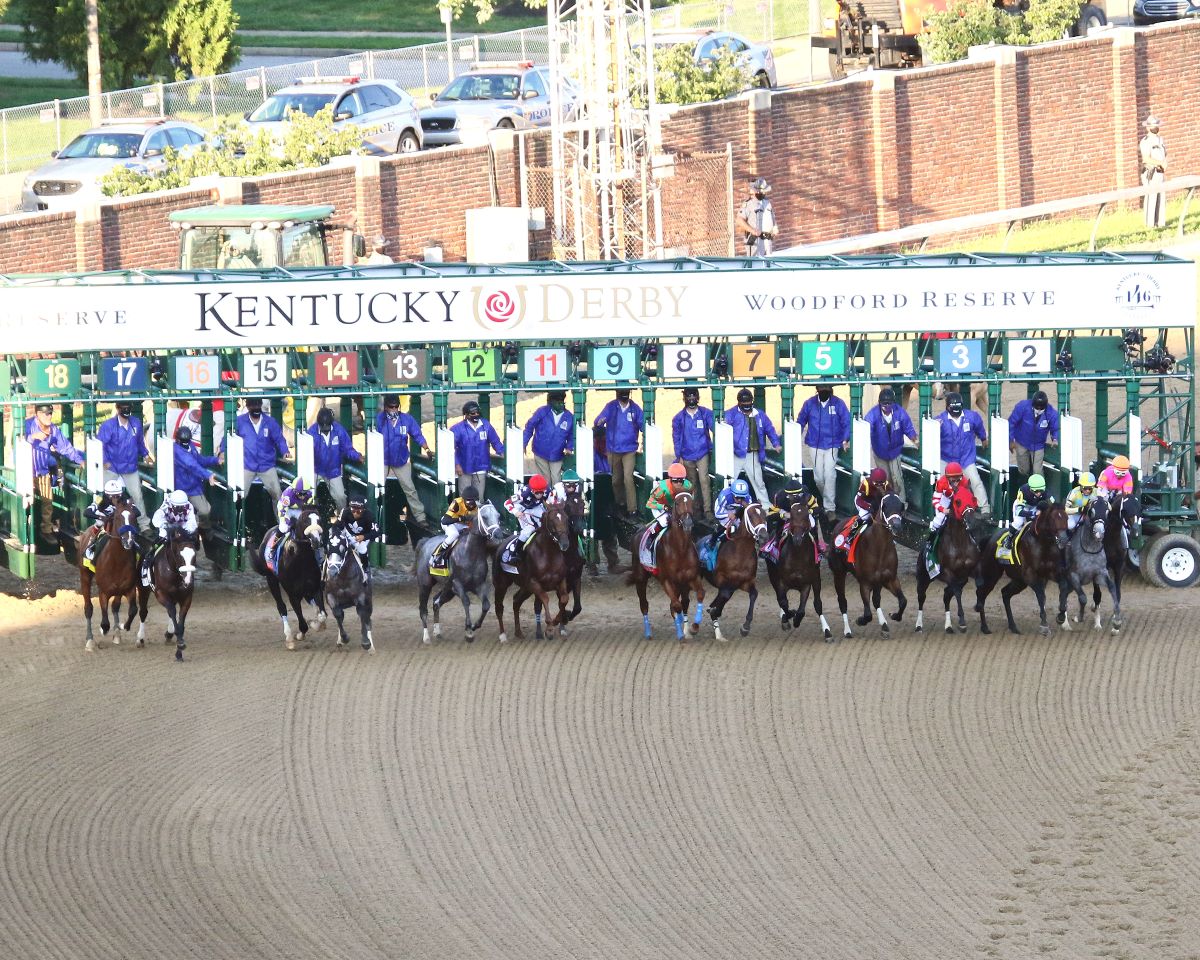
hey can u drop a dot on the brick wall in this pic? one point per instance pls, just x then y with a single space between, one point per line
136 234
38 243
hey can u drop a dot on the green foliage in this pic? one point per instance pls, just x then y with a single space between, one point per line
484 8
238 151
680 79
949 33
1048 20
199 36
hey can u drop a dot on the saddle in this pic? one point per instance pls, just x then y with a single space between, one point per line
510 554
92 550
1006 546
273 549
846 538
148 563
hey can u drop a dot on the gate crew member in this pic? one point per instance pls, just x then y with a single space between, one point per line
552 429
192 471
961 430
398 429
622 421
49 445
332 448
890 426
1032 426
472 437
753 435
264 445
692 433
124 448
826 422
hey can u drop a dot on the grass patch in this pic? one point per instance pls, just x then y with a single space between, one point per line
319 41
414 15
19 91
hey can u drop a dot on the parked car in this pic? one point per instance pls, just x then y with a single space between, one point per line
72 178
499 95
1159 11
755 58
378 106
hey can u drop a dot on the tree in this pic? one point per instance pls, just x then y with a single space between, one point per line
951 32
134 46
484 8
678 78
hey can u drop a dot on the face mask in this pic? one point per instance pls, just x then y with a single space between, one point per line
557 407
692 403
623 397
393 414
885 407
824 395
955 409
256 412
474 417
761 196
124 411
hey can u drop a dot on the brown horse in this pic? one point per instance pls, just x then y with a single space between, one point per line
576 508
1039 553
542 570
798 568
874 565
117 576
678 568
173 572
737 565
958 557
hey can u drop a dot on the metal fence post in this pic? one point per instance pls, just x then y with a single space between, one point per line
731 225
262 82
162 99
425 65
4 133
57 125
212 98
523 55
371 64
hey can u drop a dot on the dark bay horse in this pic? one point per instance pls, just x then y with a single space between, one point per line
1125 520
347 585
678 568
737 565
173 575
542 570
958 557
576 508
117 577
798 568
874 565
469 572
299 575
1039 552
1086 562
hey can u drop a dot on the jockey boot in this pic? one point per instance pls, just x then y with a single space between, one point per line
438 557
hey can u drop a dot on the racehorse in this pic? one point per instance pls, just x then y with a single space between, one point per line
468 574
173 578
347 585
299 575
737 565
576 508
678 570
1085 561
1125 519
117 577
798 568
874 565
1036 563
542 569
958 558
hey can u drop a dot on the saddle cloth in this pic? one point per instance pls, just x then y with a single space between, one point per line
1006 547
846 538
648 548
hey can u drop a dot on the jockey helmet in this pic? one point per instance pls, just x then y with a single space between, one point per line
677 471
954 469
357 501
1037 482
177 498
298 493
538 484
1120 464
877 475
114 487
470 495
741 489
1086 481
570 476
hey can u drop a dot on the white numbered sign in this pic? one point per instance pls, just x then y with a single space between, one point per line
264 371
682 360
544 365
1029 356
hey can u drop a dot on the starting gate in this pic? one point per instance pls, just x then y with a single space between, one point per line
1109 336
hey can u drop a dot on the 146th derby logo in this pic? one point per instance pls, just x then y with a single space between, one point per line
1138 291
499 309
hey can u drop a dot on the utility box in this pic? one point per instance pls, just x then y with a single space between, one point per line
498 235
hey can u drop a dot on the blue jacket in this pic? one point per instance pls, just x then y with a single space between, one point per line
622 428
692 434
887 439
332 450
958 440
396 437
124 447
264 448
828 426
192 469
1029 428
45 459
741 432
550 442
471 446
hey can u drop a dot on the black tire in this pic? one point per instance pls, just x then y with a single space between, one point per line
1171 560
505 124
1090 17
409 142
761 81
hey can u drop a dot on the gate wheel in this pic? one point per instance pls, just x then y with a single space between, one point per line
1171 560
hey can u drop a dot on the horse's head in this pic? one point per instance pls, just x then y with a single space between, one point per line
1051 521
120 525
1097 517
181 552
487 522
558 524
1129 509
681 509
338 545
891 511
800 518
310 526
754 520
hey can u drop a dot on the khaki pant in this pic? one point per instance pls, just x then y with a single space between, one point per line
337 490
45 492
751 466
1028 461
624 490
478 480
697 472
133 486
825 476
270 482
971 472
403 474
894 472
550 469
203 511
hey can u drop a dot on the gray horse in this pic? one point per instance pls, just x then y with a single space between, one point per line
469 571
347 585
1085 561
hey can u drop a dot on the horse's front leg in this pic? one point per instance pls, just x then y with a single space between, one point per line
85 587
297 602
523 593
959 586
131 598
865 593
819 609
897 591
169 633
1114 592
718 605
485 601
753 591
364 609
697 587
339 615
500 582
1039 591
181 624
105 600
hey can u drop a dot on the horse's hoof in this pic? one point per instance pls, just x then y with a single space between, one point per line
289 644
863 620
829 636
847 633
141 643
885 631
342 645
469 636
538 635
504 638
562 633
1066 624
1044 631
369 648
695 629
90 646
985 629
745 630
178 656
168 638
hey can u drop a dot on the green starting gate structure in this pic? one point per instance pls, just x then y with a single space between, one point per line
1109 336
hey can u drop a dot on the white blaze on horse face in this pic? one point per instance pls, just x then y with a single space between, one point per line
187 554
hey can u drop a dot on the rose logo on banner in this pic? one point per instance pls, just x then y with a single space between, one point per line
499 309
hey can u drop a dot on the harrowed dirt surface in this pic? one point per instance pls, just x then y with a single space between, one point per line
599 796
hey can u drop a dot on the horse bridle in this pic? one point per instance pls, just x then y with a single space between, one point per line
1091 521
757 528
486 530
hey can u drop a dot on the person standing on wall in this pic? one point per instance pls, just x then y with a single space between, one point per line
1153 153
960 432
756 219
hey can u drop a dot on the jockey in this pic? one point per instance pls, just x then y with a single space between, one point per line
460 513
1116 478
662 497
1080 498
528 504
730 503
176 510
569 486
1030 501
871 489
948 488
360 523
791 493
113 498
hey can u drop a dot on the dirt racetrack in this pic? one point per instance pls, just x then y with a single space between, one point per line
927 796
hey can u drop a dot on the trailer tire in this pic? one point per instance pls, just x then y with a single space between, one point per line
1171 560
1090 17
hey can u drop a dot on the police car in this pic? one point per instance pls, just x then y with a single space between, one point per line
377 106
498 95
